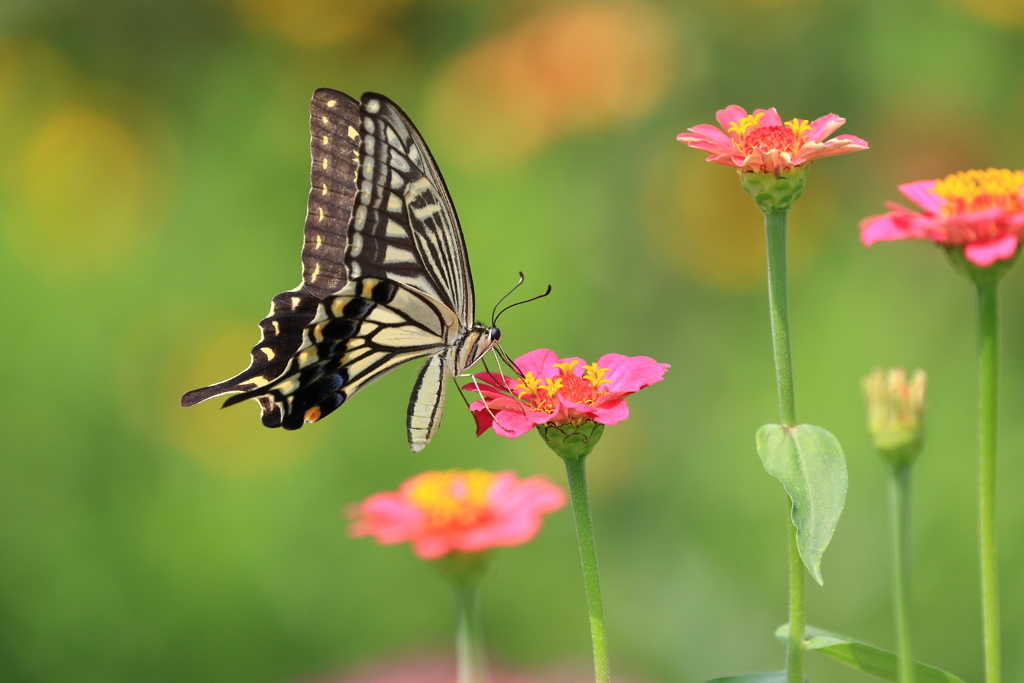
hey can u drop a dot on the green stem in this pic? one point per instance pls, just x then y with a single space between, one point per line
778 303
576 470
797 618
899 490
988 353
470 654
775 223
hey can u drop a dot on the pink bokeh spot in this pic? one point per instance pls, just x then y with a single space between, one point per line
465 511
558 391
762 142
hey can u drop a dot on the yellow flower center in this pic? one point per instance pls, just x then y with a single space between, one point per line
541 394
971 191
454 498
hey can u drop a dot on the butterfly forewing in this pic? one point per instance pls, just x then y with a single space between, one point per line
404 225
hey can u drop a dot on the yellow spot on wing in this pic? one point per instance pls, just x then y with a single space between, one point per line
319 241
325 188
268 352
316 273
326 141
353 133
324 119
331 103
321 210
325 163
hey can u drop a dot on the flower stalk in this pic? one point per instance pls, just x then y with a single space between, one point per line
470 651
988 356
775 224
899 494
575 470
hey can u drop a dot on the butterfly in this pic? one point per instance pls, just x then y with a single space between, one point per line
385 278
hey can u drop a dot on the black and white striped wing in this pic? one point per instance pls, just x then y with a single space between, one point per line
334 123
370 327
404 226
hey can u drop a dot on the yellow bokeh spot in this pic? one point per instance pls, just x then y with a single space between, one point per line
699 221
564 69
1000 12
84 191
154 372
317 23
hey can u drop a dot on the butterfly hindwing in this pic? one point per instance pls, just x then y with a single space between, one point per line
334 152
281 334
368 328
334 144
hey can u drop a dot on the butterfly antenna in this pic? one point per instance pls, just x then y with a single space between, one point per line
522 278
503 357
494 321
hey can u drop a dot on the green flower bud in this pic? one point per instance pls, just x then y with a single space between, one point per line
895 413
571 441
775 192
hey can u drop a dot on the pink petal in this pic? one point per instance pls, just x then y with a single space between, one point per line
920 192
709 133
537 361
483 418
731 114
840 145
611 412
534 495
883 228
513 424
387 517
823 127
432 547
984 254
509 531
631 373
770 118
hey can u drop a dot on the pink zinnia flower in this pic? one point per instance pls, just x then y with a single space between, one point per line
458 510
980 211
762 142
560 391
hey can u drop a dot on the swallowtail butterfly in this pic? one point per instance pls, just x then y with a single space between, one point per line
385 277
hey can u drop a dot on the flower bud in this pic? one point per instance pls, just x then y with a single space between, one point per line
775 192
895 412
571 441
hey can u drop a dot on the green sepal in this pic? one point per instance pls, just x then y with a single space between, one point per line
982 275
775 192
571 441
809 462
464 569
863 657
771 677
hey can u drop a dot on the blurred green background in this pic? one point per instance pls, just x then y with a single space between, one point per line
153 178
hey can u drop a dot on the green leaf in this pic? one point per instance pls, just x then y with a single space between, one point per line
809 462
864 657
773 677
